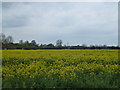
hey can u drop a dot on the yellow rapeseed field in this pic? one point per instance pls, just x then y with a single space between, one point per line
60 68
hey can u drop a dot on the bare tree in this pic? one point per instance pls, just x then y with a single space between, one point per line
9 39
59 43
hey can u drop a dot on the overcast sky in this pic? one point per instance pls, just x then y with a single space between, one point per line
76 23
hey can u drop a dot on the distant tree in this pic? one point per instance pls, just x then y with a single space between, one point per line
104 45
59 43
118 43
92 47
2 38
50 45
65 45
84 45
41 45
21 42
33 42
26 42
9 39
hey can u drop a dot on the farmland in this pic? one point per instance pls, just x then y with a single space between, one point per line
60 68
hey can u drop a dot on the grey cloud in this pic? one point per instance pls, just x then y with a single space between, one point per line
72 22
0 17
14 22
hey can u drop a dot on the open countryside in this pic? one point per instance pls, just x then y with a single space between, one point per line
59 45
60 68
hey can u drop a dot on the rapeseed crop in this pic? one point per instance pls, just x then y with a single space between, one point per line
60 69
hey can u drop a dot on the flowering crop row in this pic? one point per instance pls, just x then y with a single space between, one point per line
60 68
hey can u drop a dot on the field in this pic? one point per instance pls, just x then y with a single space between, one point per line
60 69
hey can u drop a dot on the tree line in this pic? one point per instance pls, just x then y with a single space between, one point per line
7 42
